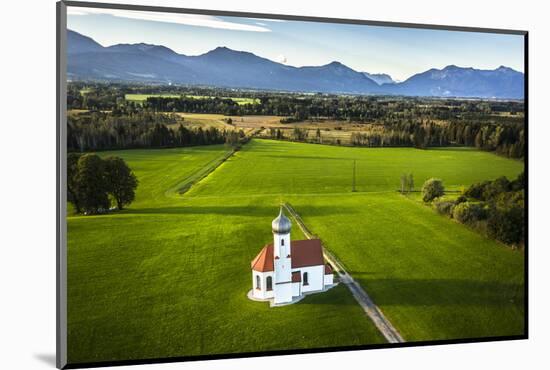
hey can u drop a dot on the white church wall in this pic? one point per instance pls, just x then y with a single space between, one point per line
283 270
281 245
262 293
283 293
315 278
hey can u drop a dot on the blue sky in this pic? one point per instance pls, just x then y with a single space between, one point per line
400 52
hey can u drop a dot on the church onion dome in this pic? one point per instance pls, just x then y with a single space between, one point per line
281 225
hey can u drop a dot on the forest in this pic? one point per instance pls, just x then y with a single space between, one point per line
92 131
490 125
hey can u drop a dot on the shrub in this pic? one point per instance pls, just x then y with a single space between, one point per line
507 225
461 199
493 189
476 190
469 213
519 183
432 189
444 207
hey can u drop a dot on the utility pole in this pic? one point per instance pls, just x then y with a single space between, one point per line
353 187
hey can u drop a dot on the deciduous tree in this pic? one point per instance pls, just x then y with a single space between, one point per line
91 184
121 181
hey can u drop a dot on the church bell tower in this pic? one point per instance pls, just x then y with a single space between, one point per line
282 259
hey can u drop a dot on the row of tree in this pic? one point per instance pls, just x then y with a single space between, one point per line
504 139
103 131
293 106
388 121
496 208
93 183
105 96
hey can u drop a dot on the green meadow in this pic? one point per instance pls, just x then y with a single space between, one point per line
266 167
431 276
169 275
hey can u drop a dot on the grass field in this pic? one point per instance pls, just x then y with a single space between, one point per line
143 97
274 167
432 277
169 276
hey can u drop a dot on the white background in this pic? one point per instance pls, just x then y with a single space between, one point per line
27 182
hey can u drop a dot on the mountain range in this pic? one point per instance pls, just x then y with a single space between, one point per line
224 67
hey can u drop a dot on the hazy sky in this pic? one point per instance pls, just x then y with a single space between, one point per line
400 52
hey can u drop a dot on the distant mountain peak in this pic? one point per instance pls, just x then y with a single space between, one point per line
225 67
224 50
79 43
505 69
465 82
453 67
336 65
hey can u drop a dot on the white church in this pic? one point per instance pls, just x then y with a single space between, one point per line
286 270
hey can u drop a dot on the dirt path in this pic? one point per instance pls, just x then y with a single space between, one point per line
380 321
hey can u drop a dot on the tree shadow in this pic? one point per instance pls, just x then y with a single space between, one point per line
308 157
441 292
252 211
431 292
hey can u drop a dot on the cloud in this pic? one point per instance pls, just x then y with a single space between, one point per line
176 18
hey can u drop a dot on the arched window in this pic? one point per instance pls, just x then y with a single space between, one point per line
269 283
305 279
282 242
258 282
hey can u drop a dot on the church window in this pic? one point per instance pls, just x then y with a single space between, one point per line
269 283
305 279
258 282
282 242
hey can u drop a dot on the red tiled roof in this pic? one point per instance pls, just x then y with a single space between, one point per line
303 253
306 253
296 277
264 260
328 269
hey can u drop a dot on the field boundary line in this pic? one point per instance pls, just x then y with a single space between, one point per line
187 183
371 309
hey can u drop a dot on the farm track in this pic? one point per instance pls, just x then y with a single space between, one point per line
371 309
185 185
